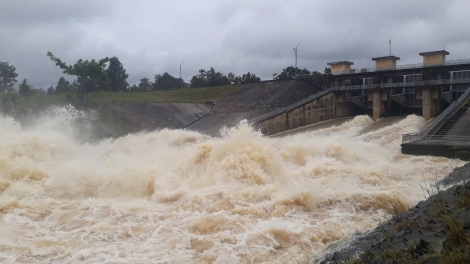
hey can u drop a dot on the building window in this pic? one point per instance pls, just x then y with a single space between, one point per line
366 81
412 78
460 74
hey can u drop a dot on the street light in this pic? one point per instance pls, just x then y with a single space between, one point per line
180 74
295 70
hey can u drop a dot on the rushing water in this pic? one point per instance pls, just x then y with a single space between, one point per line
175 196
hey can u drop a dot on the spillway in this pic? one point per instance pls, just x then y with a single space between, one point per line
176 196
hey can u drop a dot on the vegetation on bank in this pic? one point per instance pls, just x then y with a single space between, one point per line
14 103
185 95
109 75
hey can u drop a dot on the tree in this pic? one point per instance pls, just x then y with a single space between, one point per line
167 82
216 78
209 78
249 78
289 73
327 70
117 75
25 88
91 75
145 85
63 86
134 89
51 91
231 77
7 76
199 80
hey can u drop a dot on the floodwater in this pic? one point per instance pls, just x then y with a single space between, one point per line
175 196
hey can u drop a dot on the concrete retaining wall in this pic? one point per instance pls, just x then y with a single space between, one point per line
324 108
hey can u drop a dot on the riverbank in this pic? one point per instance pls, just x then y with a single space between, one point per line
436 230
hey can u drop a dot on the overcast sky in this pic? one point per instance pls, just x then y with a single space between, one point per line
153 37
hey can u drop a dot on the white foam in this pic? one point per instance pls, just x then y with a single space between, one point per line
175 196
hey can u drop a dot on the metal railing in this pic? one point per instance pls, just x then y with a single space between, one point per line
448 97
424 134
452 139
292 106
447 111
402 67
359 100
399 98
354 87
403 84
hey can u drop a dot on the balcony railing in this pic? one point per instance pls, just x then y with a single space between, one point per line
450 139
402 67
403 84
348 88
441 118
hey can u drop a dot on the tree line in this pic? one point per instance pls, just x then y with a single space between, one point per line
108 74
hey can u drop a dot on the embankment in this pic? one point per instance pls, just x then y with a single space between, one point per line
246 102
250 101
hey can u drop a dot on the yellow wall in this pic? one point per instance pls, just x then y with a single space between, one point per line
433 59
385 64
340 67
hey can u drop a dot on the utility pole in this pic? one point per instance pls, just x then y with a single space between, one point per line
181 80
390 43
295 69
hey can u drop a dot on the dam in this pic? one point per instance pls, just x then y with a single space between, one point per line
425 89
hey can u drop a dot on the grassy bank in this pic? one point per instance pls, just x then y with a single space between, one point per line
187 95
37 102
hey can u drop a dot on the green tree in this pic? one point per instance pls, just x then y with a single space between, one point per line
209 78
327 70
117 75
145 85
249 78
134 89
216 78
63 86
166 81
7 76
91 75
199 80
51 91
289 73
231 77
25 88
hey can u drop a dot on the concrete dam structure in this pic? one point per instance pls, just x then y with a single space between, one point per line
247 102
425 89
250 101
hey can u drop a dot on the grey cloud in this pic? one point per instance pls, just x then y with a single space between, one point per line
237 36
34 13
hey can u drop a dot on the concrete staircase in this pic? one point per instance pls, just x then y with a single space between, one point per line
451 122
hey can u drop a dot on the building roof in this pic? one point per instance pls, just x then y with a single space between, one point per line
386 58
340 62
444 52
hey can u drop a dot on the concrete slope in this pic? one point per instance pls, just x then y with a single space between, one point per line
250 101
151 116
